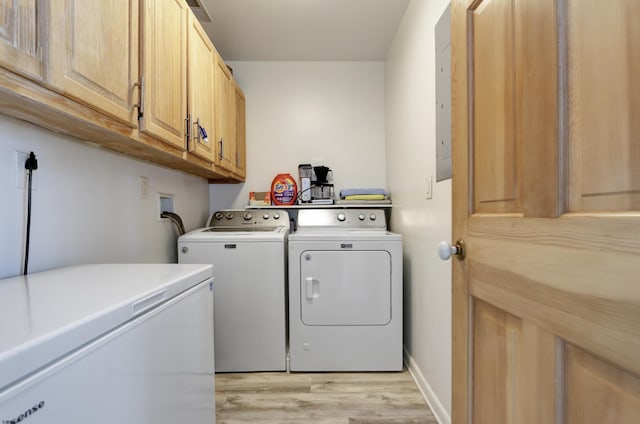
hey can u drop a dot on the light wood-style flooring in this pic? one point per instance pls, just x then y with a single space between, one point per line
323 398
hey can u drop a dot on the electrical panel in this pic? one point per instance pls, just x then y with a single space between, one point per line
443 96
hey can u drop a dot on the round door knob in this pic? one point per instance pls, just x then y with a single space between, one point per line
341 217
445 250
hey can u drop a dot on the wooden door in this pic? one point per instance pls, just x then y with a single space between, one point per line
224 111
200 77
20 49
241 137
164 69
93 54
546 304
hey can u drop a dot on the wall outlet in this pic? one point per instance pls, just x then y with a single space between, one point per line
429 188
22 173
144 187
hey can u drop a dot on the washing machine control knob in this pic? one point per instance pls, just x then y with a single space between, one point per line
276 215
341 217
218 215
265 216
247 216
229 215
361 217
185 249
372 217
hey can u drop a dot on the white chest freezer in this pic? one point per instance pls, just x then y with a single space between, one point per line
108 343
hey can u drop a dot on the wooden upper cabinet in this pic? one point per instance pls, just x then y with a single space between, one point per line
224 116
200 77
241 138
20 49
93 54
164 69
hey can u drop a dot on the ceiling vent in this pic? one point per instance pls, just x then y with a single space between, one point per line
199 10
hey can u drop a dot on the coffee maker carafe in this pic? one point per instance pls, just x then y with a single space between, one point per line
321 189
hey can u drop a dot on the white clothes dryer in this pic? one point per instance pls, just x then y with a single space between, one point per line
345 292
248 253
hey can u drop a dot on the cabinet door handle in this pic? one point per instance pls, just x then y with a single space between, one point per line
140 104
196 130
221 154
187 131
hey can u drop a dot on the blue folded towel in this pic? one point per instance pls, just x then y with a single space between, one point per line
359 191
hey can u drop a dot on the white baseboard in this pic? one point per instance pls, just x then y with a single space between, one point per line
439 412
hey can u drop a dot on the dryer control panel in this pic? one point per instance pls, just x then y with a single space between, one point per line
348 219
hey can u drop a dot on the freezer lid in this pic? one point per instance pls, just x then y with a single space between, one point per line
45 315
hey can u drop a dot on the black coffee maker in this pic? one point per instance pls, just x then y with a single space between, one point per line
321 189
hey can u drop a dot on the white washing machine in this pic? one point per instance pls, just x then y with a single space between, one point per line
248 253
345 292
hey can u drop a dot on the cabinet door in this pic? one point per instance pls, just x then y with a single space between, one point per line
19 47
241 139
225 121
200 77
164 69
93 54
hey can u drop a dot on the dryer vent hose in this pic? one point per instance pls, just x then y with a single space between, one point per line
175 218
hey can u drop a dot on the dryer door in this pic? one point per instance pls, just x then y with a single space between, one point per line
345 287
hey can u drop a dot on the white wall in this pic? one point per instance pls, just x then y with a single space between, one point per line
411 153
87 206
324 113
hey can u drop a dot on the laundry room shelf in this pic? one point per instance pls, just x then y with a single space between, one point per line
319 206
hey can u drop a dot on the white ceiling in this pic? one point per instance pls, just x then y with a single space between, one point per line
303 30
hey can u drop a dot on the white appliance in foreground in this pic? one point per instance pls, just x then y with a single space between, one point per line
108 343
248 250
345 292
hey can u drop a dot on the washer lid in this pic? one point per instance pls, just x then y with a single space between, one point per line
45 315
219 234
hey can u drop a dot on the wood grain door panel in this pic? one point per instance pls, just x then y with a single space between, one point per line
546 305
200 76
164 67
495 150
19 37
225 116
93 54
604 105
599 392
241 134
